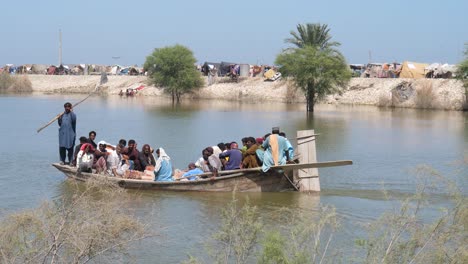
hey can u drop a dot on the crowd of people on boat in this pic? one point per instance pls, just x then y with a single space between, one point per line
125 160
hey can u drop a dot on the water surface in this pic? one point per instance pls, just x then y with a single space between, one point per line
384 144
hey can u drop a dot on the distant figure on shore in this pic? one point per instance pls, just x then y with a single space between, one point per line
67 133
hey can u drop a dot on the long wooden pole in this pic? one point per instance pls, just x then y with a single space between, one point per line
102 81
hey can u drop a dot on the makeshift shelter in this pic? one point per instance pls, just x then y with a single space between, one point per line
51 70
225 68
413 70
39 69
133 71
207 66
437 70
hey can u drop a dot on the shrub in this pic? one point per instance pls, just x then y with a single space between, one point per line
15 84
425 96
400 236
90 224
384 101
238 235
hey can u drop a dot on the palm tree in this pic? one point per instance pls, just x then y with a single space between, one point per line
315 35
315 65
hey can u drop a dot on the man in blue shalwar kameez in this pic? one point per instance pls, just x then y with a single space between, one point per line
67 133
276 148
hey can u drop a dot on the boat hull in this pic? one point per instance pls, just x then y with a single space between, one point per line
241 181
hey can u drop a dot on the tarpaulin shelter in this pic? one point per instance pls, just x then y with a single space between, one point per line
207 66
225 68
413 70
39 69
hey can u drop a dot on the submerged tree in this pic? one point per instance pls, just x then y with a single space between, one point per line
173 68
316 67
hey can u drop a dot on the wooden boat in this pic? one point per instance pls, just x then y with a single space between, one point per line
278 178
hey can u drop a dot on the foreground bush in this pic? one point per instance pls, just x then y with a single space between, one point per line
91 224
398 236
15 84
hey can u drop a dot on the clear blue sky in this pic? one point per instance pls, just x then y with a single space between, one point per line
235 31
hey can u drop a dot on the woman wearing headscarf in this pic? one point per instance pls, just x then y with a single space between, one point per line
163 168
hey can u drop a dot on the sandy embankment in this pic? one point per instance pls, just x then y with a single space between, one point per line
449 93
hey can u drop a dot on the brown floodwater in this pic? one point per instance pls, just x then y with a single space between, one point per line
384 144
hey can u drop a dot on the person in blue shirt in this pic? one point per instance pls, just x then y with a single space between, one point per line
276 150
67 134
235 157
163 168
193 170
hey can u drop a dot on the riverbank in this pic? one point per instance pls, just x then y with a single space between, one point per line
445 94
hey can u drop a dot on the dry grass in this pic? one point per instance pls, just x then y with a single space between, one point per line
89 224
425 96
15 84
384 101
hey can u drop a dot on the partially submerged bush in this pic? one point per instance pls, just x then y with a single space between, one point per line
89 224
239 232
398 236
15 84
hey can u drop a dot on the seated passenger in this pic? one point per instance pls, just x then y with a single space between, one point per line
260 149
211 163
163 168
249 158
192 171
235 157
146 157
92 137
132 152
189 173
84 159
118 164
100 157
77 149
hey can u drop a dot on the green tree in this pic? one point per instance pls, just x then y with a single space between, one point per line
316 67
316 35
462 74
173 68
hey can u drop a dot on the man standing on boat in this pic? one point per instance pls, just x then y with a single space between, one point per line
67 133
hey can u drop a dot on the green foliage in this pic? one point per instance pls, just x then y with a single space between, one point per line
315 35
273 249
173 68
400 236
306 238
317 72
239 232
316 67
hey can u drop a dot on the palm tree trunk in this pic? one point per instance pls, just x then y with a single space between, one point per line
310 98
